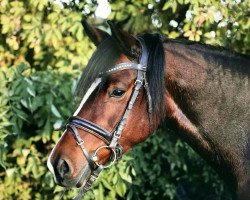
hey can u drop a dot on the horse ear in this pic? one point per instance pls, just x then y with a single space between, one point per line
126 42
95 34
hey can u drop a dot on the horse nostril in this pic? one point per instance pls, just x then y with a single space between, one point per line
63 169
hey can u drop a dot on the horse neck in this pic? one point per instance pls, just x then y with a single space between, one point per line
209 103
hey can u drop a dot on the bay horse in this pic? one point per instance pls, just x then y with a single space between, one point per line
131 84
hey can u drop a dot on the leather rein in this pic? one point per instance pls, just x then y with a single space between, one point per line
111 139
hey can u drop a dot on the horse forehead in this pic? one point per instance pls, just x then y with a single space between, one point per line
124 76
123 58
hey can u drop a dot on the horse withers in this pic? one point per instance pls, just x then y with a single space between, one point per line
131 84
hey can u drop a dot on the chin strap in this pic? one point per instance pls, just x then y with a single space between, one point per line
88 184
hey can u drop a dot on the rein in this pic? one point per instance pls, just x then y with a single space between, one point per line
111 139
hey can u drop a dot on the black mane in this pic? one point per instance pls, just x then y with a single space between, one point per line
156 72
108 52
102 60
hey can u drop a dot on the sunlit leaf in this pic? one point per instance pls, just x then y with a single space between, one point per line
55 111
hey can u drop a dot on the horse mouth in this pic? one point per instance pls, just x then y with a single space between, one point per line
81 183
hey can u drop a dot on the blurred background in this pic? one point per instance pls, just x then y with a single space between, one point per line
43 49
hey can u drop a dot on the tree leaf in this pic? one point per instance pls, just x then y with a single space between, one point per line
55 111
31 91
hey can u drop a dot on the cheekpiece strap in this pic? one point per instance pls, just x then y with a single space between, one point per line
144 61
144 52
140 80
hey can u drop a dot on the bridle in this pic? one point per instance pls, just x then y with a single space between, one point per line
111 139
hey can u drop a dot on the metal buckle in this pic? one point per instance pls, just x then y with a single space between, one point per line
116 135
138 81
80 143
119 151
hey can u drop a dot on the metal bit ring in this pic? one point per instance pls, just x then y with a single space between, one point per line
111 162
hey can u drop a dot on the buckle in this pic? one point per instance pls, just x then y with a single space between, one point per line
138 81
80 143
116 135
119 151
142 67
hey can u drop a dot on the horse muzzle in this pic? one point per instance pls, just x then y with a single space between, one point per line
65 176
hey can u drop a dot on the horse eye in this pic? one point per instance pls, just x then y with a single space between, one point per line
117 93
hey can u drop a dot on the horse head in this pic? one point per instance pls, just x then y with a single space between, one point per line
116 111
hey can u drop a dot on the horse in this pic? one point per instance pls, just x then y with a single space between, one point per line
132 84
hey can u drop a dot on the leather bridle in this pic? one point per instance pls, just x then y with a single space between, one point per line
111 139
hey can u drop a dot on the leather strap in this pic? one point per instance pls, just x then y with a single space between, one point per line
144 61
80 143
92 128
123 121
88 184
123 66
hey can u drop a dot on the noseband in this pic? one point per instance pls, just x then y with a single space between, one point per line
111 138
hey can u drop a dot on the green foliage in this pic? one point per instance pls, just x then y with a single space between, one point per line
42 34
42 50
224 23
36 104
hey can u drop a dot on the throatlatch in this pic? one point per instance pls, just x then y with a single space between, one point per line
111 139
